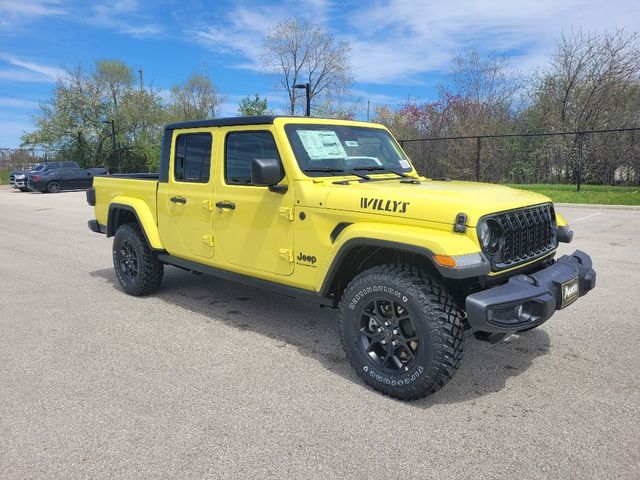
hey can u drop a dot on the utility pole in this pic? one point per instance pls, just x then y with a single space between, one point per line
205 69
141 81
368 106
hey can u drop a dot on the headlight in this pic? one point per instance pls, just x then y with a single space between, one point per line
489 233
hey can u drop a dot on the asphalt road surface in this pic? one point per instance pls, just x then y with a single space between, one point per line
210 379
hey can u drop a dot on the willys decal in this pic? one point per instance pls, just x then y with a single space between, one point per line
383 205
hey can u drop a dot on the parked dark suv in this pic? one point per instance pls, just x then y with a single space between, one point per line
64 177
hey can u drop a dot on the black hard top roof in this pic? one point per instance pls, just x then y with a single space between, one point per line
234 121
223 122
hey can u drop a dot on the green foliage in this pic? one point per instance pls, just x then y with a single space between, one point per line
250 107
76 122
593 194
196 99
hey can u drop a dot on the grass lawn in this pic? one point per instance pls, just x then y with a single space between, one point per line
4 177
603 194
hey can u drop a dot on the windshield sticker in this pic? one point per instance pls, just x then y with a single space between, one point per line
351 143
405 164
321 144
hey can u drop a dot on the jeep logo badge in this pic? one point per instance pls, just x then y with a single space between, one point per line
306 258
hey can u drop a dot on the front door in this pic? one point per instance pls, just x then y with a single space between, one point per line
253 225
185 208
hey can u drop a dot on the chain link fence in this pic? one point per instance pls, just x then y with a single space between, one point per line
595 157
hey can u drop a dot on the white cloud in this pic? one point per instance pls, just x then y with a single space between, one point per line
401 40
398 40
28 71
14 9
123 16
243 28
17 103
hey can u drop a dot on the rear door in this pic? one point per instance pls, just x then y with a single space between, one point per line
65 177
185 201
81 178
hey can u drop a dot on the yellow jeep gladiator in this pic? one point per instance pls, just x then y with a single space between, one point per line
333 211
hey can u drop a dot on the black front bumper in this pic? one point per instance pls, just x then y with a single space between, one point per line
526 301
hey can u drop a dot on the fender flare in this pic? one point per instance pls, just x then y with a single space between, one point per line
430 242
142 212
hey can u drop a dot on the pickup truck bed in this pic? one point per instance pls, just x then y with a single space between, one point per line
139 186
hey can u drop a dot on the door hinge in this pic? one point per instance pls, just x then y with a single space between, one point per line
287 213
208 239
286 254
208 204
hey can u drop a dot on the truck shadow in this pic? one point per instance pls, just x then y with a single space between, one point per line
313 332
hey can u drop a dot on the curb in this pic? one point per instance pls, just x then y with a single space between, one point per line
598 206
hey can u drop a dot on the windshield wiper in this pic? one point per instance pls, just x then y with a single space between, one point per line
373 168
338 170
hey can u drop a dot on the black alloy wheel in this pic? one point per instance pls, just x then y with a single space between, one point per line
388 335
401 330
127 259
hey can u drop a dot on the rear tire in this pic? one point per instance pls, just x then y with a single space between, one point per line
401 331
137 266
54 187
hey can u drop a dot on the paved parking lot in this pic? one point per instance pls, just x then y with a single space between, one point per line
208 379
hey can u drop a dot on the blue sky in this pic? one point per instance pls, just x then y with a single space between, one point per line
401 48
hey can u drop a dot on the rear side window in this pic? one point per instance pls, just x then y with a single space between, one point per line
240 149
192 157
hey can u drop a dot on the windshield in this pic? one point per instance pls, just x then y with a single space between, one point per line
323 150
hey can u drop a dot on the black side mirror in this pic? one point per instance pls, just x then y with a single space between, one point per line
266 172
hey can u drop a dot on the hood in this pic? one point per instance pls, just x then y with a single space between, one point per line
431 200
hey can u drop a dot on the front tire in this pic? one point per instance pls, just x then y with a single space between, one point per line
137 266
401 331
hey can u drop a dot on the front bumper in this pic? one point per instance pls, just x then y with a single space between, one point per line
526 301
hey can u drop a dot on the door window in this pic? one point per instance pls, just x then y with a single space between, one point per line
192 159
240 149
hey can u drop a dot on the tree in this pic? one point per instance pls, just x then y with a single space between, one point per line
591 82
255 106
196 99
301 52
73 121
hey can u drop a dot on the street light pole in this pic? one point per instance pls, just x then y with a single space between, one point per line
307 88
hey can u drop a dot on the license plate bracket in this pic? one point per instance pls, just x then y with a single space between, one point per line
569 292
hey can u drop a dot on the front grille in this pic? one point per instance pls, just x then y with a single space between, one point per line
528 233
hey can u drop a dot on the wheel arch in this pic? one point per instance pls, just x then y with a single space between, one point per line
130 211
359 254
359 246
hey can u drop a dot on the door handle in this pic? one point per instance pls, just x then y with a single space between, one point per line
179 200
229 205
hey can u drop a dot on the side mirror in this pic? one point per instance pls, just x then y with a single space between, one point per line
266 172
